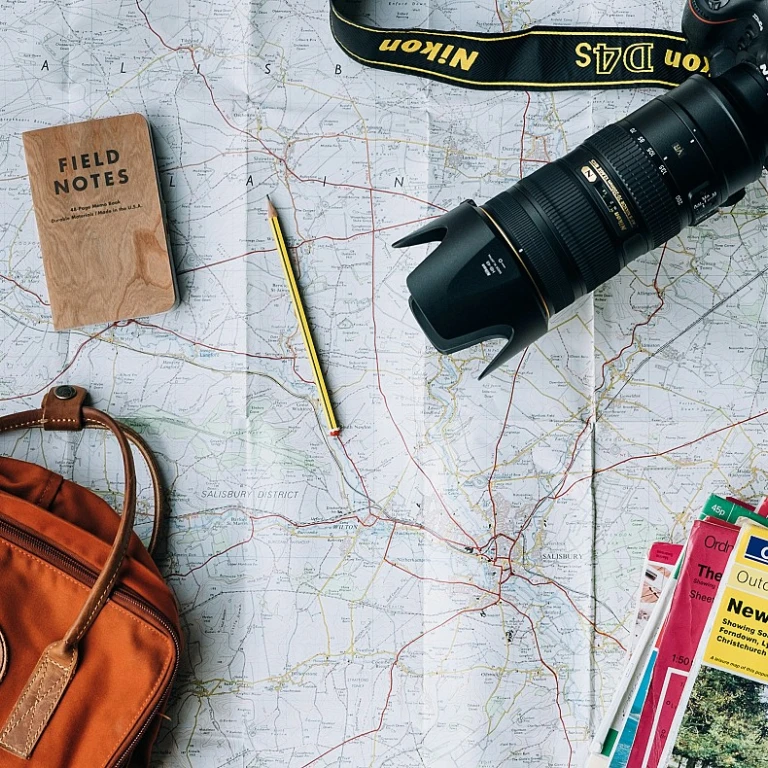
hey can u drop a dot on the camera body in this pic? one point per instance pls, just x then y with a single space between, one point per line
727 32
504 268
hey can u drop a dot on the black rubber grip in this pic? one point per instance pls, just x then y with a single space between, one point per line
547 270
637 175
575 219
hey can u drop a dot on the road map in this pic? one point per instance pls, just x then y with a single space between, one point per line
451 581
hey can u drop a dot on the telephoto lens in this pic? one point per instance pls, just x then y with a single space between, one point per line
504 268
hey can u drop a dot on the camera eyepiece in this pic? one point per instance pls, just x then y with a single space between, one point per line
503 268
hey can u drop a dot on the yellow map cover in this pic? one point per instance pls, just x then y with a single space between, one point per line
725 719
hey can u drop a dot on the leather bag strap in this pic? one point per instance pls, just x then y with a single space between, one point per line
154 472
44 418
63 409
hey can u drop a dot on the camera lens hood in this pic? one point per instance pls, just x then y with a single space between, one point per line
474 286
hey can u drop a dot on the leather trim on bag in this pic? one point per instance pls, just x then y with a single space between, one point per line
39 699
3 655
64 412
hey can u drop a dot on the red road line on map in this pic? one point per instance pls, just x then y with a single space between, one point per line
447 582
303 243
554 675
26 290
522 134
522 613
316 523
360 477
225 261
650 317
392 681
502 580
145 324
378 367
664 453
217 554
429 578
496 452
570 600
64 369
536 506
370 189
557 493
190 50
498 13
295 358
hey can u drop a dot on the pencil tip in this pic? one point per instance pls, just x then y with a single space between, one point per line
271 208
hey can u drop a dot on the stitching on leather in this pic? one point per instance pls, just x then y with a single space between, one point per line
99 604
40 696
11 749
61 683
60 666
54 691
37 422
30 684
142 625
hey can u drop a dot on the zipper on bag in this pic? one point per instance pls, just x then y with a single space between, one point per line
123 596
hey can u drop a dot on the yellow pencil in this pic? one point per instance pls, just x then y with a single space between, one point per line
333 427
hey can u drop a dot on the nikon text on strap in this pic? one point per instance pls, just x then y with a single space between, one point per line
538 58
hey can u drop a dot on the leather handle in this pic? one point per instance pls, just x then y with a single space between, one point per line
37 418
154 472
84 415
106 579
63 409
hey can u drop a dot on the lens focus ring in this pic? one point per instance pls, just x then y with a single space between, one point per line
574 218
640 178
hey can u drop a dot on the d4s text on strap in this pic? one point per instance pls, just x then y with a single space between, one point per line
538 58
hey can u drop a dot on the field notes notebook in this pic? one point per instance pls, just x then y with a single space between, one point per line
100 219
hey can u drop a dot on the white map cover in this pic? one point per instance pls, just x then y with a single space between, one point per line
451 582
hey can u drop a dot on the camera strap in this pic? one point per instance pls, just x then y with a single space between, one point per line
538 58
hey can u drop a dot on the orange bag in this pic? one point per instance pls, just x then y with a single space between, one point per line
89 631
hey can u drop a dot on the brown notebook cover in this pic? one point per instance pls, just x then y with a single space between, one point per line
100 219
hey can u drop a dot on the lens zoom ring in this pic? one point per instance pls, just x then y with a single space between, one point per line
548 272
574 218
641 180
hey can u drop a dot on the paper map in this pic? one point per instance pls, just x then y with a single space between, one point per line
451 582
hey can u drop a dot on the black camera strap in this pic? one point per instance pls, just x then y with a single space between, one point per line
538 58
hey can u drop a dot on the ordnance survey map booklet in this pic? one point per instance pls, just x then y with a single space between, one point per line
659 565
452 582
643 704
709 546
725 720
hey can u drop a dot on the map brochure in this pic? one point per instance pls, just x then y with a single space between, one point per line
709 547
629 698
724 714
658 567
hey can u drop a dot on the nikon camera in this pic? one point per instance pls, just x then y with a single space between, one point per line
503 268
